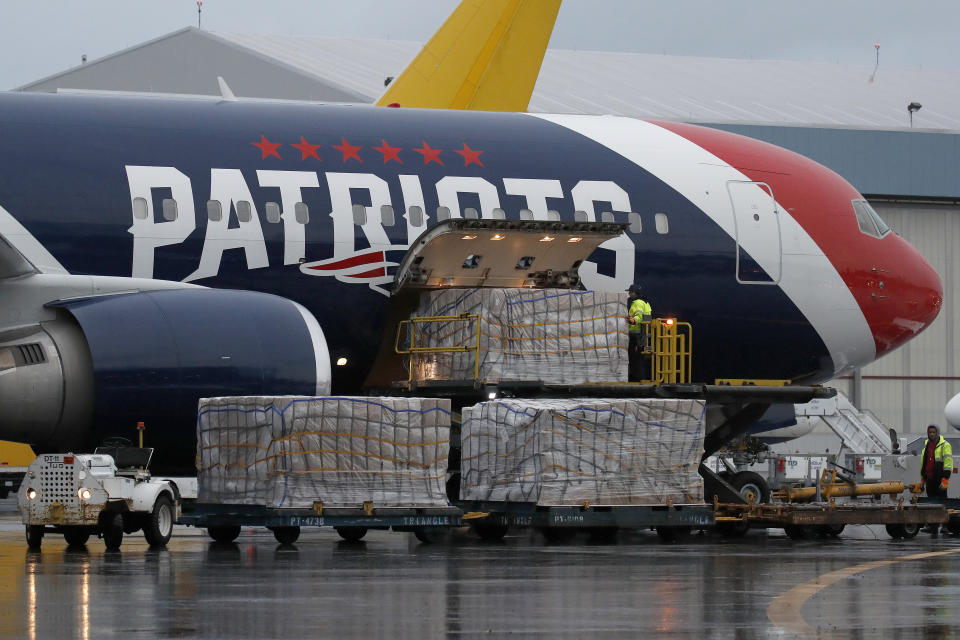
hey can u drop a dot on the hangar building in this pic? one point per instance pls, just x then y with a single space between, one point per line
853 119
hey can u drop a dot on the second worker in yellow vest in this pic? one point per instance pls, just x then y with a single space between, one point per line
638 311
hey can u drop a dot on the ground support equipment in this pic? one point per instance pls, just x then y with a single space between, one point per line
492 520
223 521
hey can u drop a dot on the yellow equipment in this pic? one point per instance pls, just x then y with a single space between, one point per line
670 349
485 57
15 454
830 488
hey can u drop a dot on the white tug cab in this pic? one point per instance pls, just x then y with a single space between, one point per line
106 493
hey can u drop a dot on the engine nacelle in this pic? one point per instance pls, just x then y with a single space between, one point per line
149 356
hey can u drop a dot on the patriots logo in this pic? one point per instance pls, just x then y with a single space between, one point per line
376 267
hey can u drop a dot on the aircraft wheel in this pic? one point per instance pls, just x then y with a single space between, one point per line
351 534
159 524
751 486
112 531
286 535
224 533
76 536
34 536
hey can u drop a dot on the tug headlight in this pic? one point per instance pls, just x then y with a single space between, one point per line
31 493
84 493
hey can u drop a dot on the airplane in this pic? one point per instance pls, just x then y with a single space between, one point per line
158 250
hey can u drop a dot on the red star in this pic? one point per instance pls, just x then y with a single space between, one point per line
348 150
469 155
389 153
267 148
429 155
307 149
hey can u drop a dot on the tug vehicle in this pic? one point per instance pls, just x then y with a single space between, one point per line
107 493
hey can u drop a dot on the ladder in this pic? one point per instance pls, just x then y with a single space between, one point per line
860 431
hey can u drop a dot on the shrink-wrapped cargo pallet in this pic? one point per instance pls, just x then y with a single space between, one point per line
568 452
552 335
289 451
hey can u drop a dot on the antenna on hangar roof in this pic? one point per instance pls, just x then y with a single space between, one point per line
199 9
876 66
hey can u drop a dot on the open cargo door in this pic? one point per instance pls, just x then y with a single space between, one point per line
466 253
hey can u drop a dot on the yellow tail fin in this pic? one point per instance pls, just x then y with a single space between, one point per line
486 56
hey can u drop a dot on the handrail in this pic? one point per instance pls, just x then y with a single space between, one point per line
669 344
412 350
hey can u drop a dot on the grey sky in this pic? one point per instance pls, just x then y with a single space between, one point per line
42 37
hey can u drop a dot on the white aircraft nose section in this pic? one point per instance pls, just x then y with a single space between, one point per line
952 412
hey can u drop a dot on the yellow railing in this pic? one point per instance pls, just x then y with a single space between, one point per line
407 329
669 345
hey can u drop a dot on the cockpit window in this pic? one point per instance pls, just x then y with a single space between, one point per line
869 220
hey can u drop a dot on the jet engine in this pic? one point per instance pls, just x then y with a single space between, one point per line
106 363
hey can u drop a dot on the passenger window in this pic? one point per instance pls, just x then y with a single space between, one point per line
607 216
636 225
301 213
443 213
661 223
415 216
272 210
140 211
526 214
579 216
470 213
359 215
386 216
553 215
499 214
214 211
169 209
244 211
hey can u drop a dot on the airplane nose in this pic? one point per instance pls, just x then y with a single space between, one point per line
905 294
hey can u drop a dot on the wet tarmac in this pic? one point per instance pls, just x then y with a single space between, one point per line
862 585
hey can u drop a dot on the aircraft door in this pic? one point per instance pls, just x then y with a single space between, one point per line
757 225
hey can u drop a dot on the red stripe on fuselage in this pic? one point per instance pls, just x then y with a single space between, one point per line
897 289
353 261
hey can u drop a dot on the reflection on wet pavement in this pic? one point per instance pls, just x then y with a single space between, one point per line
390 585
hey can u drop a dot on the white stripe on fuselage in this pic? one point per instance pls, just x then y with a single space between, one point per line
808 278
28 246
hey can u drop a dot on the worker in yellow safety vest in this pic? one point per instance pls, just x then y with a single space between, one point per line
638 311
936 467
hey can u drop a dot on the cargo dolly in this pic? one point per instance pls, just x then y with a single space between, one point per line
491 520
224 521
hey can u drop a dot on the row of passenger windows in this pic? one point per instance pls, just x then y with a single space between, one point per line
301 214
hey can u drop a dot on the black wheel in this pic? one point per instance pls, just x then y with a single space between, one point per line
953 526
76 536
4 492
911 530
158 526
490 532
351 534
558 535
431 535
733 529
751 486
603 535
673 534
34 536
112 531
224 533
286 535
830 530
799 531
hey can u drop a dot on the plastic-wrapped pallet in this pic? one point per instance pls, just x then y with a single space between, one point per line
567 452
291 451
551 335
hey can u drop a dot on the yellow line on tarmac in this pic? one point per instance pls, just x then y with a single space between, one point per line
784 611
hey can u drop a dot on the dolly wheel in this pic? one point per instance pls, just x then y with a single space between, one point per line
351 534
733 529
558 535
431 535
489 532
953 526
34 536
830 530
286 535
76 536
799 531
674 534
224 533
